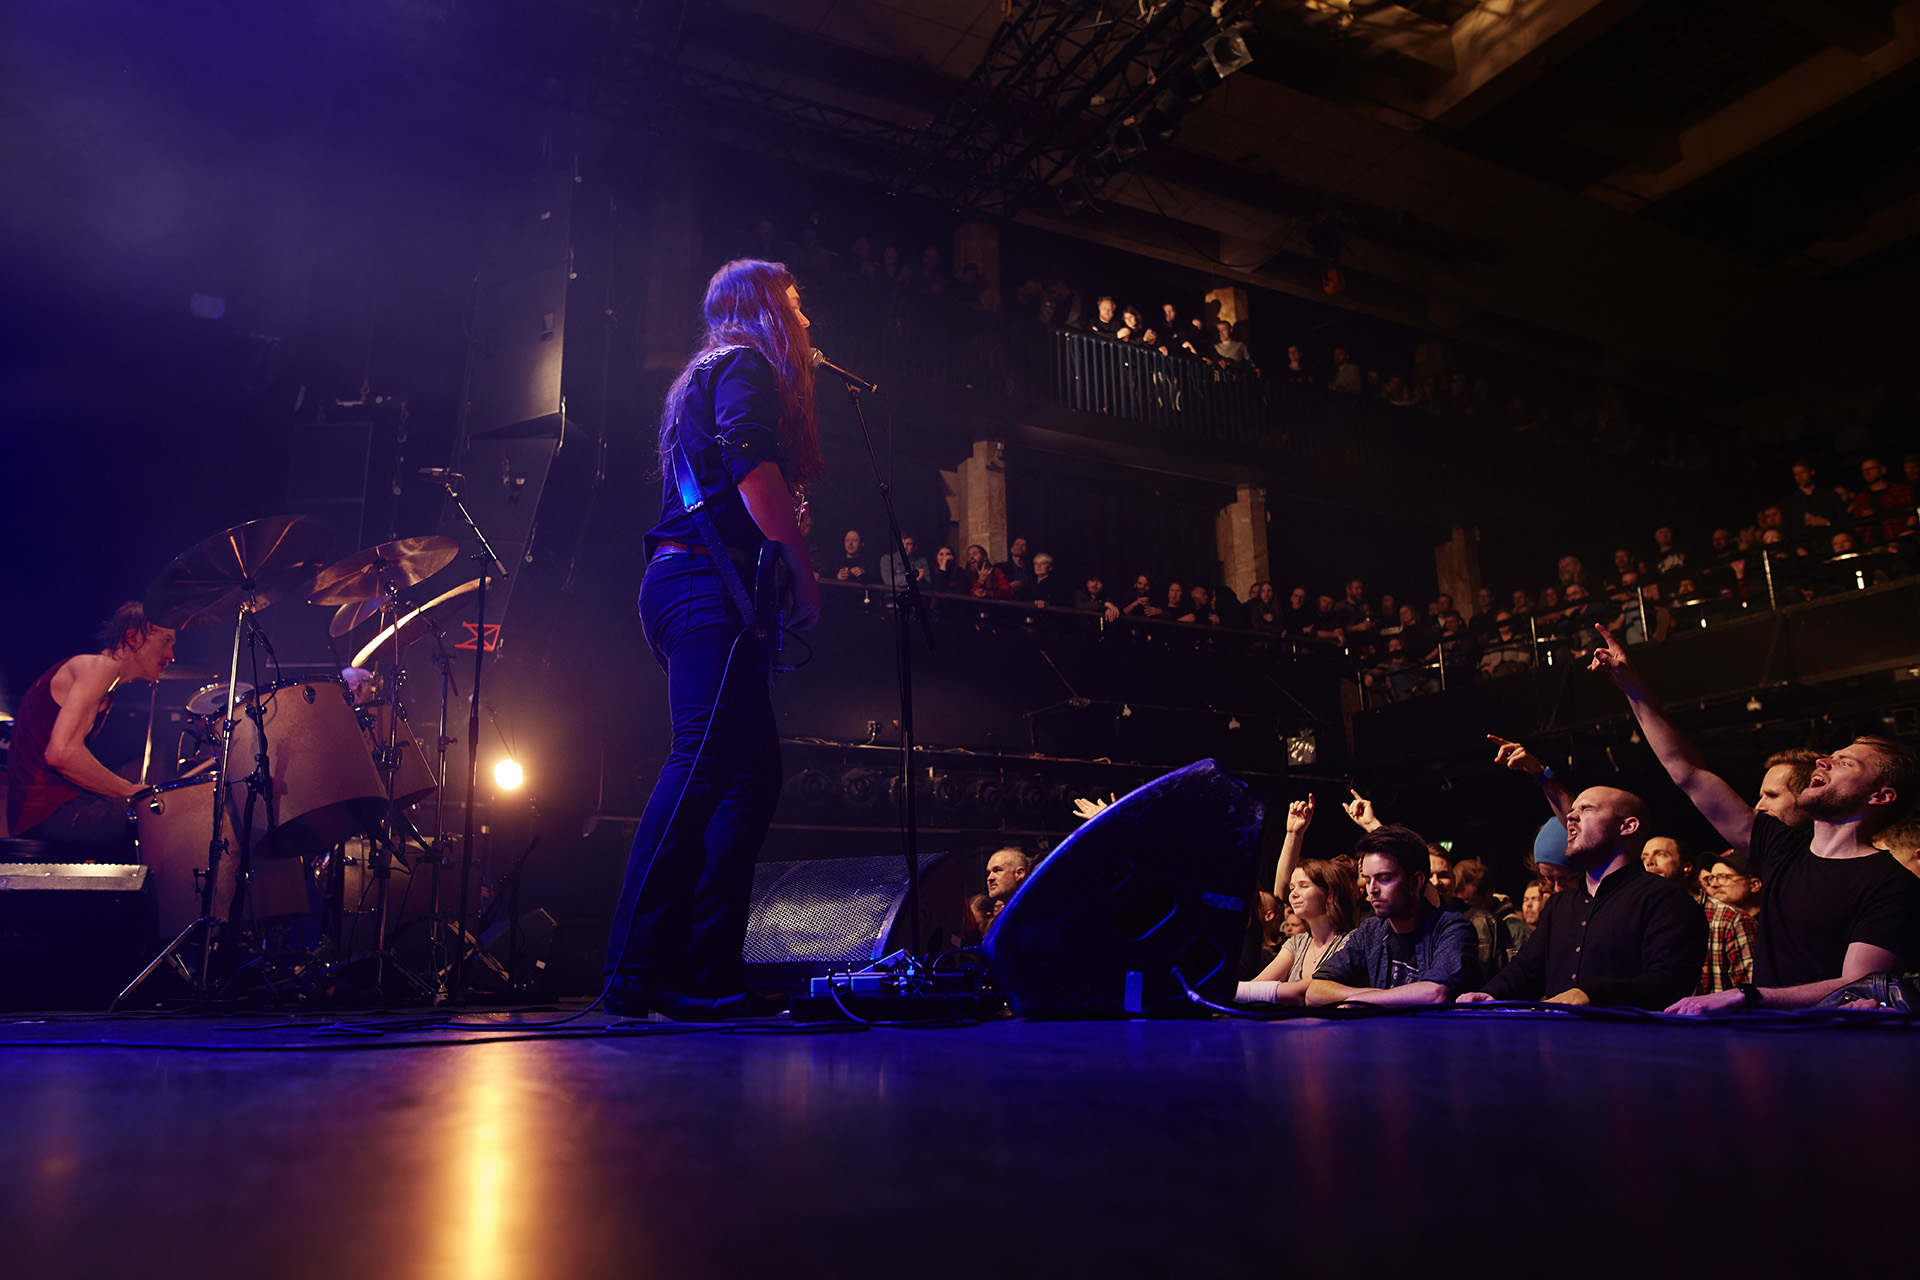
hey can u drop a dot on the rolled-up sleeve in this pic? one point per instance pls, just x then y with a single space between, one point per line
746 414
1452 962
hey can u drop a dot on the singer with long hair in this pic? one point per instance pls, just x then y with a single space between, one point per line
742 412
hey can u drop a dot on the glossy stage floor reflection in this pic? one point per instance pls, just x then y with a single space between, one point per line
1413 1147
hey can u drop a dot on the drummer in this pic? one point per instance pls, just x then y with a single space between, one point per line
57 791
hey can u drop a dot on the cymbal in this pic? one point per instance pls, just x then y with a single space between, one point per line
366 575
180 671
421 622
255 563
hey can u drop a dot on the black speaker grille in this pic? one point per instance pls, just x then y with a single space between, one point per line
833 910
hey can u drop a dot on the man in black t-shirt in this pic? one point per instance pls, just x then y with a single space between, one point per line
1833 909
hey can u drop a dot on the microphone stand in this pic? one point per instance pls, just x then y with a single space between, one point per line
909 604
492 565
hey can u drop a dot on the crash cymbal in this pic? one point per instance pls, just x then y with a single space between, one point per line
256 563
367 575
421 622
180 671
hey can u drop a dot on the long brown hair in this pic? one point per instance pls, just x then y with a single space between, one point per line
746 306
1342 888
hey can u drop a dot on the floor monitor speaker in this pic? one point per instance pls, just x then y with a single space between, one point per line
829 915
1158 881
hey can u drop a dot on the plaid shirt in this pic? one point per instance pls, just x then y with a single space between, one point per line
1730 933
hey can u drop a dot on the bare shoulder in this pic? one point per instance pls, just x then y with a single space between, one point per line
88 672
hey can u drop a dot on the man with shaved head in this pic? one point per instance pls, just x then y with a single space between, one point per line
1621 935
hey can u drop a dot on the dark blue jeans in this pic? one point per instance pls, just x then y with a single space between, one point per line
682 915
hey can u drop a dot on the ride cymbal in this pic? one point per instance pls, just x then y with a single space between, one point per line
255 563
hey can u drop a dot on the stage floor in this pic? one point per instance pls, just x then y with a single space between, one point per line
1494 1145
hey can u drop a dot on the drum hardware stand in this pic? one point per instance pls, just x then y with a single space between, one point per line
508 888
489 561
436 946
201 980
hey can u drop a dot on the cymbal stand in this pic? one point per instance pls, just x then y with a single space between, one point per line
381 853
436 946
489 561
216 843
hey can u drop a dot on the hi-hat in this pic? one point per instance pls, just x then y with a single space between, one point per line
361 583
252 565
421 622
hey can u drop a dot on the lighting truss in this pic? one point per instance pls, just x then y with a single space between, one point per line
1057 79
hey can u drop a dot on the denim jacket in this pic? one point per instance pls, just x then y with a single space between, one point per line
1444 951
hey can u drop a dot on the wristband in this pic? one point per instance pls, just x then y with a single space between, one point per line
1544 776
1750 995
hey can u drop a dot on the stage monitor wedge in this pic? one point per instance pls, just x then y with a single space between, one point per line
1160 880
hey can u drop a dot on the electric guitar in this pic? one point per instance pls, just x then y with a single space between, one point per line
772 602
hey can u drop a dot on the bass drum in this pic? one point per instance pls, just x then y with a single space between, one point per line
172 826
325 786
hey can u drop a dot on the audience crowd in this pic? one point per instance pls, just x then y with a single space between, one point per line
1817 539
1814 900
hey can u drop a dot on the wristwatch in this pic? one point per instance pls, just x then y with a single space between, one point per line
1750 995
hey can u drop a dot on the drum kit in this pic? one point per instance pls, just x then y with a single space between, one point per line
282 779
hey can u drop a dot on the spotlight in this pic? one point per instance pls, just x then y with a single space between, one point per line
862 787
1227 53
1303 749
1073 197
1126 143
987 795
812 788
508 775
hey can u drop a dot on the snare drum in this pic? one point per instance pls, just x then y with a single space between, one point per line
325 786
173 826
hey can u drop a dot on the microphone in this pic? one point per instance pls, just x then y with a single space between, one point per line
442 474
820 361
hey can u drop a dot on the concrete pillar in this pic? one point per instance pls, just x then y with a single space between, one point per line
1233 304
1456 563
977 499
1240 531
673 288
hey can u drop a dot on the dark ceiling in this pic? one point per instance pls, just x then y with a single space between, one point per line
1677 194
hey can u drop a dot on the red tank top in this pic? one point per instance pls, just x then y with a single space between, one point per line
34 787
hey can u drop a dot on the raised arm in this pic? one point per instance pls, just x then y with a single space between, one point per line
1513 755
1299 818
1717 802
1360 809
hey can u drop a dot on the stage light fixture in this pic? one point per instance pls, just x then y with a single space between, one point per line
986 795
812 788
1227 53
862 787
507 775
1303 749
1127 142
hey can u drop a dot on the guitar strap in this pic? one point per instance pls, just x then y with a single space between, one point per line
694 499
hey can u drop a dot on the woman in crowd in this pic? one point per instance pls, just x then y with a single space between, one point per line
947 576
1325 896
